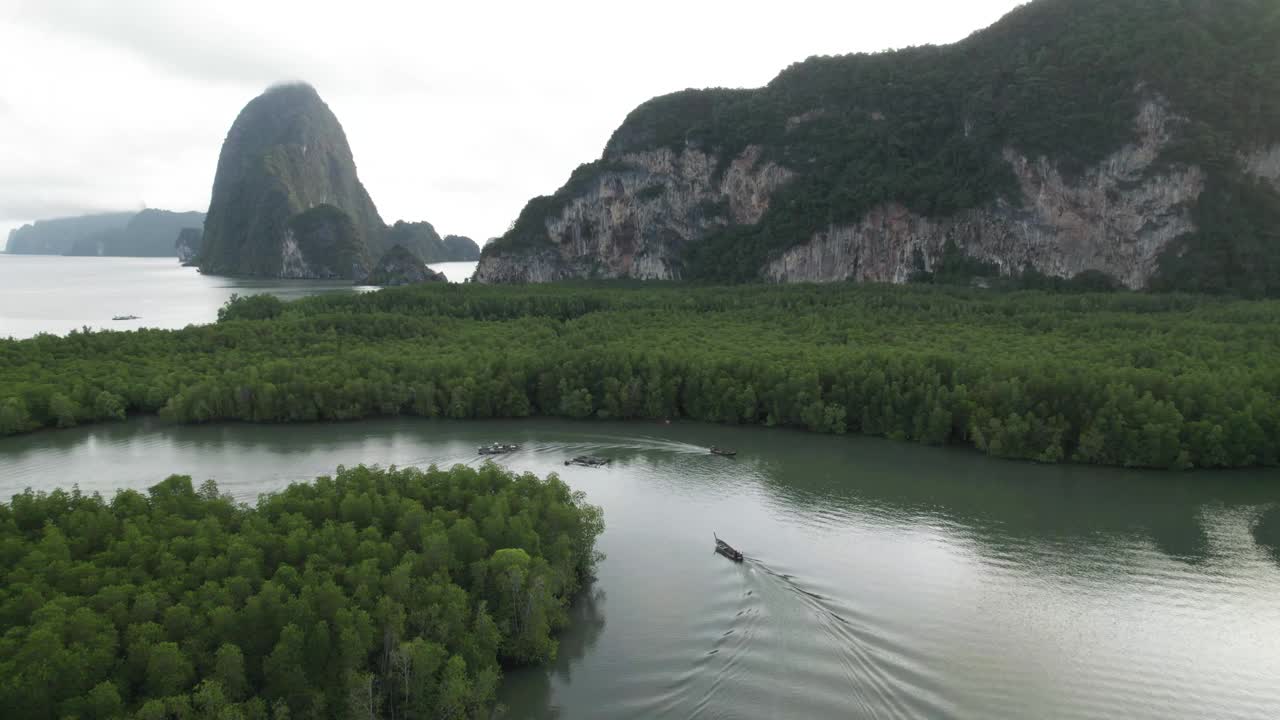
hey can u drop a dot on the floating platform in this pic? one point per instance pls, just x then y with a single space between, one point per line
498 448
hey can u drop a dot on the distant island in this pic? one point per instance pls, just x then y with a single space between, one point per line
149 233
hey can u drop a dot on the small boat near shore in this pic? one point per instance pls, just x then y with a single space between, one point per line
126 317
588 461
723 452
498 448
727 550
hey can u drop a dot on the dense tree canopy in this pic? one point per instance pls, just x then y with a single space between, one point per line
1167 381
370 594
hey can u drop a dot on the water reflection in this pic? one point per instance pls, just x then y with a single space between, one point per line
528 692
1266 532
884 579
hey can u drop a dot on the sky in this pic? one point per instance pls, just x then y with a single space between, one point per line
457 113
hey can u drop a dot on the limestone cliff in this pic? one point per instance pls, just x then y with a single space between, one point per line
634 220
188 245
1117 219
323 243
1071 137
286 153
1264 164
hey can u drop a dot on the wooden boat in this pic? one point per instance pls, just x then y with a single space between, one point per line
726 549
724 452
498 448
588 461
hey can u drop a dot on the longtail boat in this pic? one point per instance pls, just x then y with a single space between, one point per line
588 461
726 549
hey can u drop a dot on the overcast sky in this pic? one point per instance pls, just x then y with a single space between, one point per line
457 112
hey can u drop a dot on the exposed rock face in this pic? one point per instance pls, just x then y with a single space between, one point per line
323 243
634 221
1007 151
1264 163
285 154
188 245
399 266
1116 219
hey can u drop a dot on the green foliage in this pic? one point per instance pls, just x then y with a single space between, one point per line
184 604
263 306
927 127
1128 379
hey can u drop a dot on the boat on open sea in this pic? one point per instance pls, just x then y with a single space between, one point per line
588 461
724 452
726 549
498 448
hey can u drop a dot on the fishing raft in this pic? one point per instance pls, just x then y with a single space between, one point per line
726 549
498 448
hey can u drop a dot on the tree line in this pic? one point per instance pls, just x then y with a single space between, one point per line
1165 381
374 593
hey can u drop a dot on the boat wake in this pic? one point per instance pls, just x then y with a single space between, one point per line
780 649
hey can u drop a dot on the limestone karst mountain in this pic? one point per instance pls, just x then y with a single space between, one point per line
1137 139
285 155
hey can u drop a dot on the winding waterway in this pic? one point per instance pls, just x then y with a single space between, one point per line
882 579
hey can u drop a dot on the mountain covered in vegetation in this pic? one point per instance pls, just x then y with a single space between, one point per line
287 201
149 233
461 248
399 266
421 239
285 154
1139 139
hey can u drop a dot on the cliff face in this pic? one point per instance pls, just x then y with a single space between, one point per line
1117 218
1104 150
188 245
634 221
323 243
1264 164
285 154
